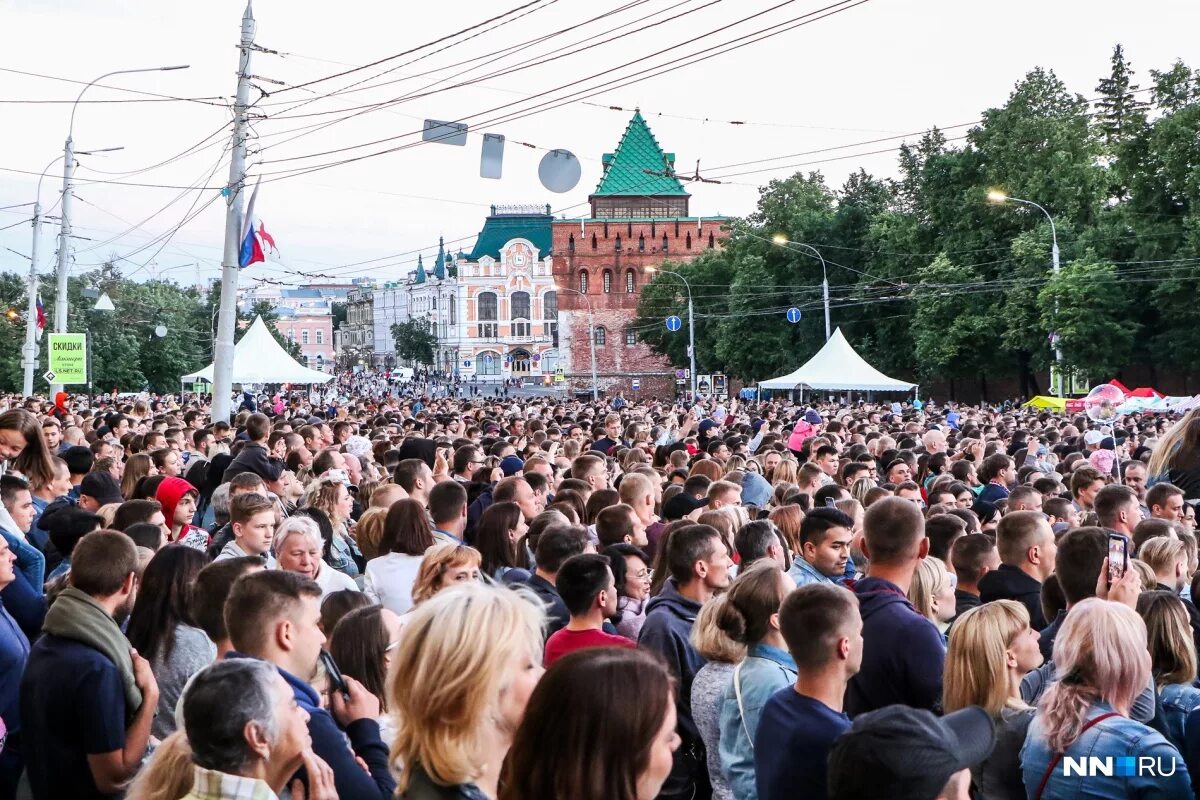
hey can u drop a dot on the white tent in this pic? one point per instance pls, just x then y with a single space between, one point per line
837 366
259 358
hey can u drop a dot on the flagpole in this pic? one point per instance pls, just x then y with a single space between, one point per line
227 321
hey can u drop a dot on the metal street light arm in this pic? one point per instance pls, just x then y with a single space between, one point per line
75 105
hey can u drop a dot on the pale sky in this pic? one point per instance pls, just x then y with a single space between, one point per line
879 69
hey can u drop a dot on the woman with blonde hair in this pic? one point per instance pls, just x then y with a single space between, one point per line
464 668
1176 457
722 654
786 471
991 648
861 488
331 498
1172 658
1102 664
443 566
932 593
368 533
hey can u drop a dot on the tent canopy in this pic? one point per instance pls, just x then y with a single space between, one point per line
259 358
837 366
1043 401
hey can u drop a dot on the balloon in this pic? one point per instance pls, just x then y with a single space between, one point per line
1102 401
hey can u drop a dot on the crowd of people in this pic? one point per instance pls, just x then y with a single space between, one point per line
431 596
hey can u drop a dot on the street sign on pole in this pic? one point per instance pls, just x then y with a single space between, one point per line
68 357
793 315
636 383
674 323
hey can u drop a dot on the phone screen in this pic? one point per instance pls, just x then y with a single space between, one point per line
1118 557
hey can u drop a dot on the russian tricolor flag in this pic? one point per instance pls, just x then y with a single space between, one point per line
257 244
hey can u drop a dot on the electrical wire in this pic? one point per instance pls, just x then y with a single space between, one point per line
202 100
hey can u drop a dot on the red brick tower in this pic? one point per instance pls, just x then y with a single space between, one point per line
639 218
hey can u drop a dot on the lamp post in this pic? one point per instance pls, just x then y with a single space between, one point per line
64 233
783 241
591 340
995 196
691 325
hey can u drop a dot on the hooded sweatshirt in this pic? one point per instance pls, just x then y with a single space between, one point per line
903 654
169 493
667 631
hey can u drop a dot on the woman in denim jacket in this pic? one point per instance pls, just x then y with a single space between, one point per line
1172 659
1082 723
751 616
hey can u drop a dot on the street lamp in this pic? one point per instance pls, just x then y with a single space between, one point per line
591 340
996 196
783 241
691 325
64 232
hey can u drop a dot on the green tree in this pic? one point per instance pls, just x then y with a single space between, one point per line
1120 112
414 342
1091 320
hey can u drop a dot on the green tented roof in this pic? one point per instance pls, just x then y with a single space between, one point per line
630 170
500 229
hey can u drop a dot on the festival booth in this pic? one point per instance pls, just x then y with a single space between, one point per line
259 359
837 367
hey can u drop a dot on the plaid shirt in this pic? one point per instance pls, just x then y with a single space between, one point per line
212 785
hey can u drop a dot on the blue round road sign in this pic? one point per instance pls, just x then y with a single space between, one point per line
674 324
793 315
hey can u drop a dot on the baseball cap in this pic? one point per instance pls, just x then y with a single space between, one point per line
1093 437
681 505
102 487
756 491
511 465
907 753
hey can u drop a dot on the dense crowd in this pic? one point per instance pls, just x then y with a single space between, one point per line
382 592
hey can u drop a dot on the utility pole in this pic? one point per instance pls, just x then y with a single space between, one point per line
64 247
226 321
29 351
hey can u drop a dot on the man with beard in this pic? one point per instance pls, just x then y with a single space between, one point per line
87 698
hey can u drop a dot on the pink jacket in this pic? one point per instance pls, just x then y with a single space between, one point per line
803 431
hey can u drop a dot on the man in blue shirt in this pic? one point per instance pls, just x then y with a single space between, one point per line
87 698
275 616
823 629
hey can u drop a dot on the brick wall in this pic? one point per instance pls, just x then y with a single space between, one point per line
622 250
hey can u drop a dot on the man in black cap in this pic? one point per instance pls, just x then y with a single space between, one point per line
98 489
904 753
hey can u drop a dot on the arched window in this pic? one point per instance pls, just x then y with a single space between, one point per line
519 302
453 312
711 241
487 307
689 240
593 241
630 337
618 244
571 244
320 336
664 242
641 242
487 363
601 335
583 278
607 281
630 282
